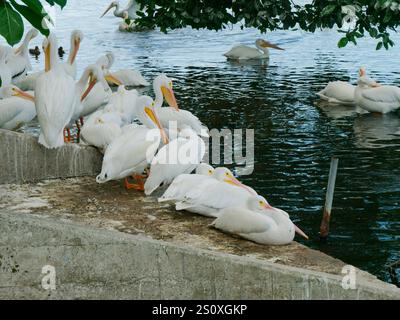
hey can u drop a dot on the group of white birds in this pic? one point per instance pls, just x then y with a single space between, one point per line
139 138
368 95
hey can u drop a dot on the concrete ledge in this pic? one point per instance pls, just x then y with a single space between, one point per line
101 264
24 160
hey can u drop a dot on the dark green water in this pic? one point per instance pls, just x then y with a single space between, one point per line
294 138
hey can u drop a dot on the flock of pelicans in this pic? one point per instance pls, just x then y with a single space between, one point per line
144 140
140 138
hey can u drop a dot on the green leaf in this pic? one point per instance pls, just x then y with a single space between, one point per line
328 10
12 25
343 42
379 45
61 3
32 16
373 32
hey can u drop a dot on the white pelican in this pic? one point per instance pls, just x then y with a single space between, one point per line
259 222
130 8
126 23
373 97
184 182
55 97
209 199
19 62
5 72
17 108
242 52
163 88
123 102
91 75
130 153
338 92
101 128
29 81
70 65
181 155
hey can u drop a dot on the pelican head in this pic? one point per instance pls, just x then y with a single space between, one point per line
76 39
364 81
264 45
112 5
92 75
29 36
204 169
164 84
13 91
146 111
50 51
225 175
261 205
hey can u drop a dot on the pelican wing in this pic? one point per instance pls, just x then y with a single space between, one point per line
218 196
179 156
182 118
242 52
385 94
338 92
242 221
130 78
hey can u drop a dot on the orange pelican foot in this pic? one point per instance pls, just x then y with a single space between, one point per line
136 186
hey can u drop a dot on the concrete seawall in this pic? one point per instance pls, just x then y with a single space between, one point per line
108 243
24 160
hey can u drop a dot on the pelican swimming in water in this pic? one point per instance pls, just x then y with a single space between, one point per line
19 62
130 8
17 107
209 198
130 153
338 92
180 156
185 182
242 52
258 221
126 23
372 97
172 115
29 82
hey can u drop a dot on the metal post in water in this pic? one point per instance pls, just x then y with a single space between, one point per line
324 229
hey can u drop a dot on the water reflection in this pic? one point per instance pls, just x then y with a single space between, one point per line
377 131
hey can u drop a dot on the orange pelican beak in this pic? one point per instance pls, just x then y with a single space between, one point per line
92 83
47 58
112 79
169 96
150 112
300 232
77 43
23 94
266 44
108 9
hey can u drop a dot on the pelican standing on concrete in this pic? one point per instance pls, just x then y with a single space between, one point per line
17 107
181 155
242 52
259 222
163 88
209 199
19 62
54 97
130 153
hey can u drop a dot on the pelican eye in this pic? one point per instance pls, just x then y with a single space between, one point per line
261 203
227 174
152 104
170 84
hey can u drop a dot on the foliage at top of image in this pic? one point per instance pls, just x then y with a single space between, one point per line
352 18
11 13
